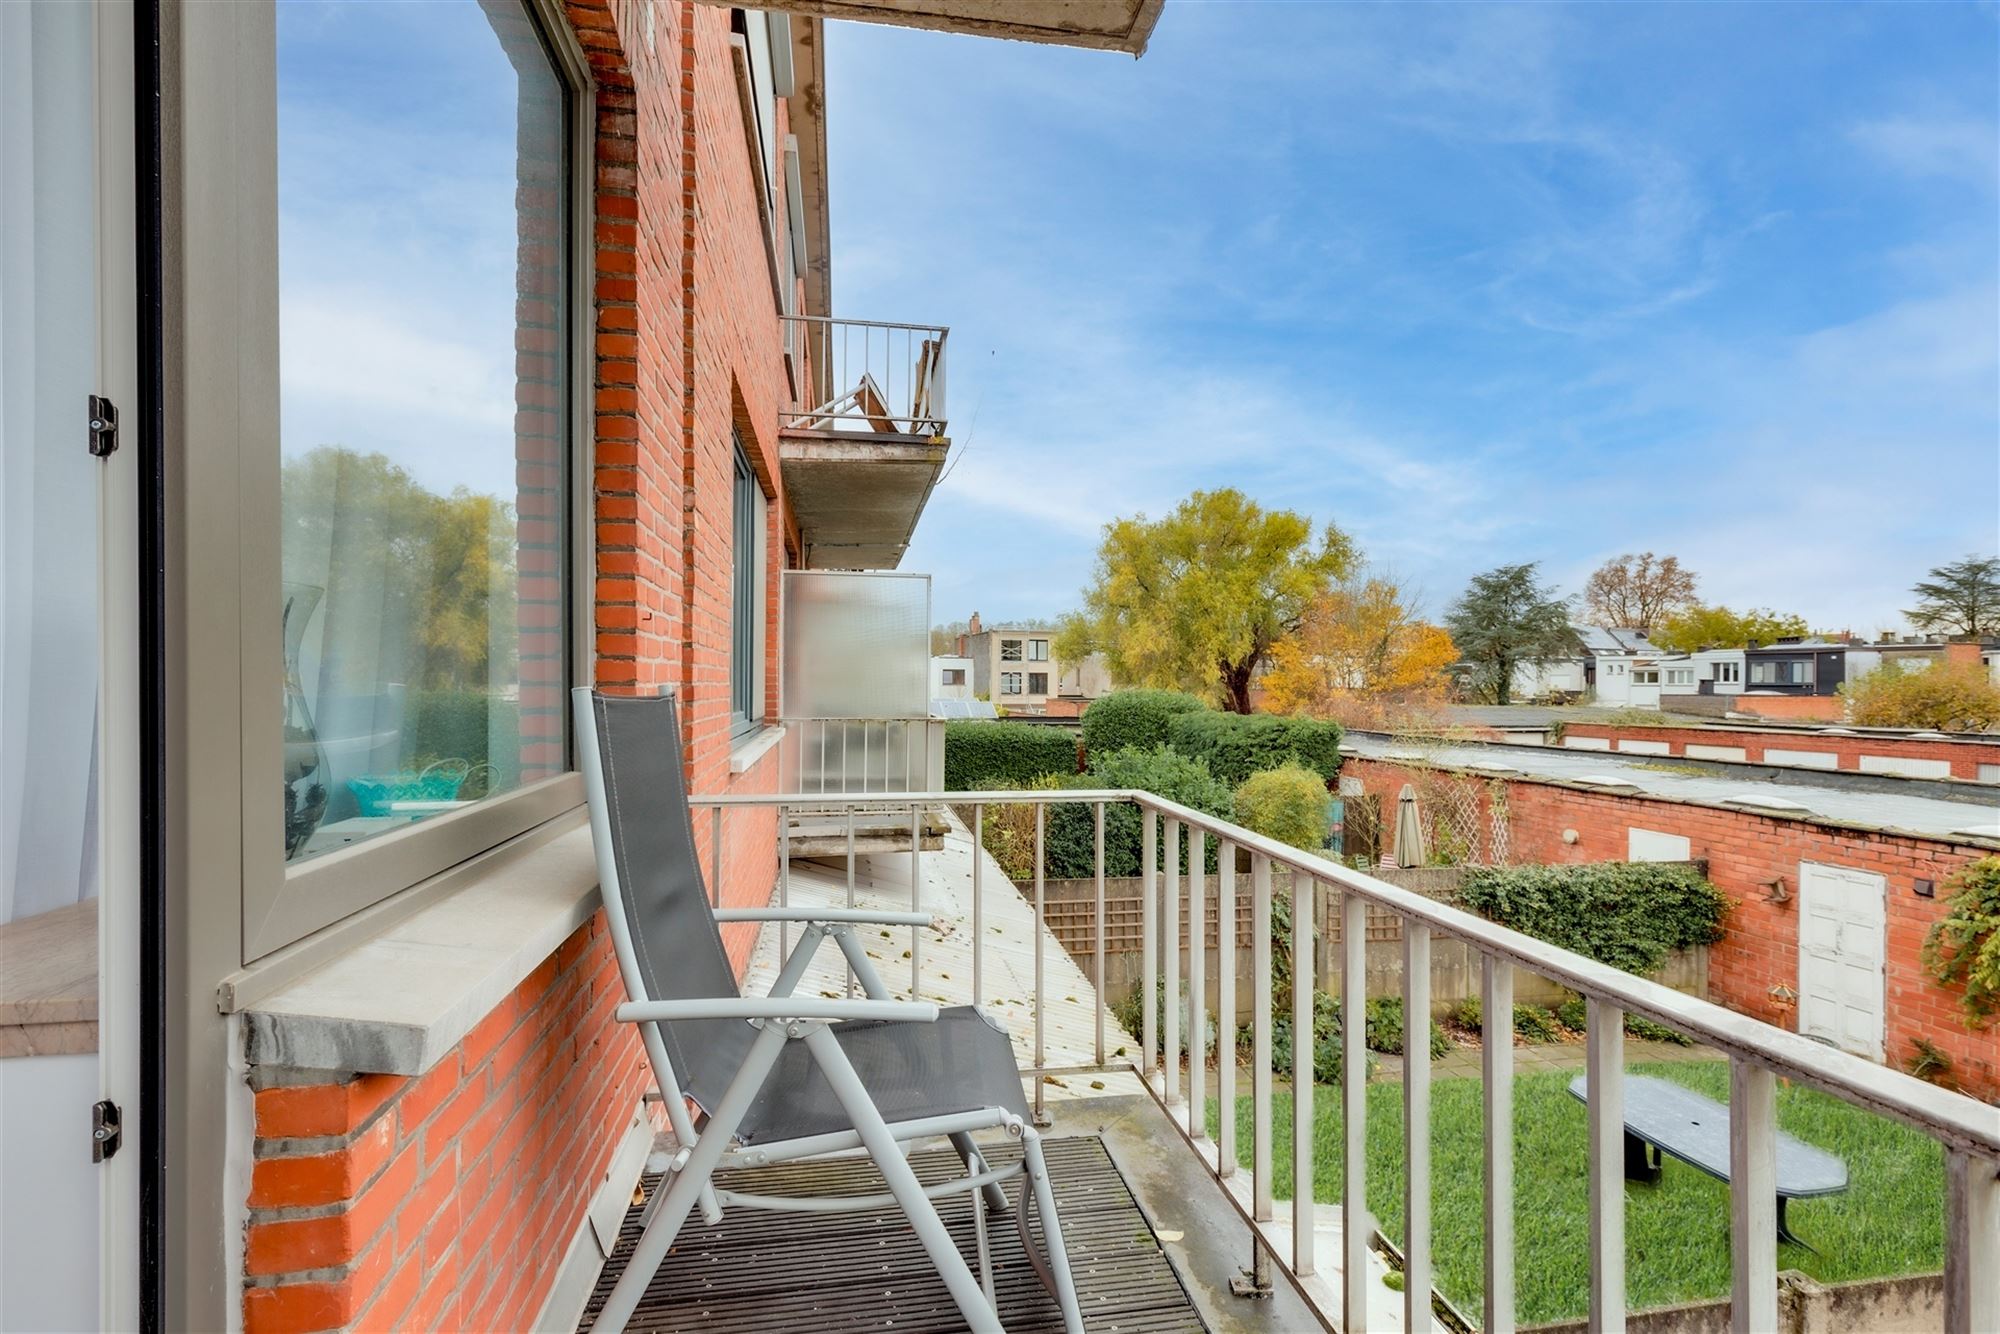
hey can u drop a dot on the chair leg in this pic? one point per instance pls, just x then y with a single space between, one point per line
982 1315
690 1182
975 1164
975 1161
1045 1204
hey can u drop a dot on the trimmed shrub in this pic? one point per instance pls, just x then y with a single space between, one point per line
1290 804
1627 914
979 751
1133 718
1070 834
1384 1027
1534 1023
1237 745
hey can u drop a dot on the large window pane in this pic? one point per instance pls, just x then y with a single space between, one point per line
421 193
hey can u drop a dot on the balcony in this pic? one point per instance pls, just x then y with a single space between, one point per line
860 461
1210 1192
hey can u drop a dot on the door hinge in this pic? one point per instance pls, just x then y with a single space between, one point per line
106 1130
103 426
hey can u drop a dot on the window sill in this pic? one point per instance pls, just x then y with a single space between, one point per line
399 1002
746 750
48 983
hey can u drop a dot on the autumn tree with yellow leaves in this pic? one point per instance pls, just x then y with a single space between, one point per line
1360 640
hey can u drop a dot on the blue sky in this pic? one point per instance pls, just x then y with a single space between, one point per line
1480 284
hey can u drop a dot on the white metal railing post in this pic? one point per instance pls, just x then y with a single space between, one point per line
1041 936
1260 1038
1170 1056
978 905
1304 891
1606 1084
1972 1240
1097 918
1149 937
1197 956
1416 1126
1753 1195
784 877
1497 1067
850 881
1225 1010
916 899
1354 1225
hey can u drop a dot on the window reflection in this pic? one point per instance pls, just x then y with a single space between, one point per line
424 412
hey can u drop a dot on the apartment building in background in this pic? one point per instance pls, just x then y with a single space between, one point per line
1015 667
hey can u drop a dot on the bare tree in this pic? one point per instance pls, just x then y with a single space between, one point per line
1636 592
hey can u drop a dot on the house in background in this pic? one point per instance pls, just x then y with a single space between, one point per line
951 677
1015 667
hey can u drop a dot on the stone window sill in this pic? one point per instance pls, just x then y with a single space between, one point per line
746 750
399 1002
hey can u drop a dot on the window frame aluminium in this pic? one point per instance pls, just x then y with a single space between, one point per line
1011 683
1011 650
749 518
223 312
1041 689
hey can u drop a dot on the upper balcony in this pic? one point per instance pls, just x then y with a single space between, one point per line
860 461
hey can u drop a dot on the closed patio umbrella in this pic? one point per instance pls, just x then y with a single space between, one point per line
1409 829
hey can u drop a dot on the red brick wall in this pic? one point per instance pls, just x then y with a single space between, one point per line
445 1201
1965 757
1745 852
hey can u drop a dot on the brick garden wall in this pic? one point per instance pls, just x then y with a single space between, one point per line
1962 757
1745 851
445 1201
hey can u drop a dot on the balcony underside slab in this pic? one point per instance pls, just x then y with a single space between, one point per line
857 495
1105 25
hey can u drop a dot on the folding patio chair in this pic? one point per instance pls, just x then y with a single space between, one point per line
784 1078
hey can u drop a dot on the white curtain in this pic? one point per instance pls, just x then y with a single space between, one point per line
48 482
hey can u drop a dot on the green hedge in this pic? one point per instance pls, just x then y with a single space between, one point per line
1133 718
1015 754
1069 834
1627 914
1289 803
1237 745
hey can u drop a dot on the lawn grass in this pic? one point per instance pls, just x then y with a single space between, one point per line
1890 1220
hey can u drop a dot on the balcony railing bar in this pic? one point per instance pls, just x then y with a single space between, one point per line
895 383
1969 1131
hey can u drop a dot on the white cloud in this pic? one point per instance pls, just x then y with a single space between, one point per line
1960 148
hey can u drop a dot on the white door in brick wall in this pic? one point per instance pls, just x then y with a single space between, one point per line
1842 922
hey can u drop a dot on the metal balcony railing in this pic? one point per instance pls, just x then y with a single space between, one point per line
867 375
1758 1053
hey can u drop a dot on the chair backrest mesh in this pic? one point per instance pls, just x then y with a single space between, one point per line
676 946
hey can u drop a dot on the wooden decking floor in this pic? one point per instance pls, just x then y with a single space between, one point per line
760 1271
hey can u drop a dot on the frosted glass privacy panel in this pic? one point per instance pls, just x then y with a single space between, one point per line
856 645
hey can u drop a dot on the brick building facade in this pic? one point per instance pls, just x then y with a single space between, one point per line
1755 859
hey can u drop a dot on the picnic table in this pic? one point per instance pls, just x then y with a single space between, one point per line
1664 1117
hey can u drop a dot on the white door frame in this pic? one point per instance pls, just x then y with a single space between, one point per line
119 804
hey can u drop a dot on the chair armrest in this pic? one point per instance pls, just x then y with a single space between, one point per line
775 1007
863 916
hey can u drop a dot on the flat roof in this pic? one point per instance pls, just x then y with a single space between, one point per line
1932 817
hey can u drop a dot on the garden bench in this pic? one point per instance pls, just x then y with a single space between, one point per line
1664 1117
